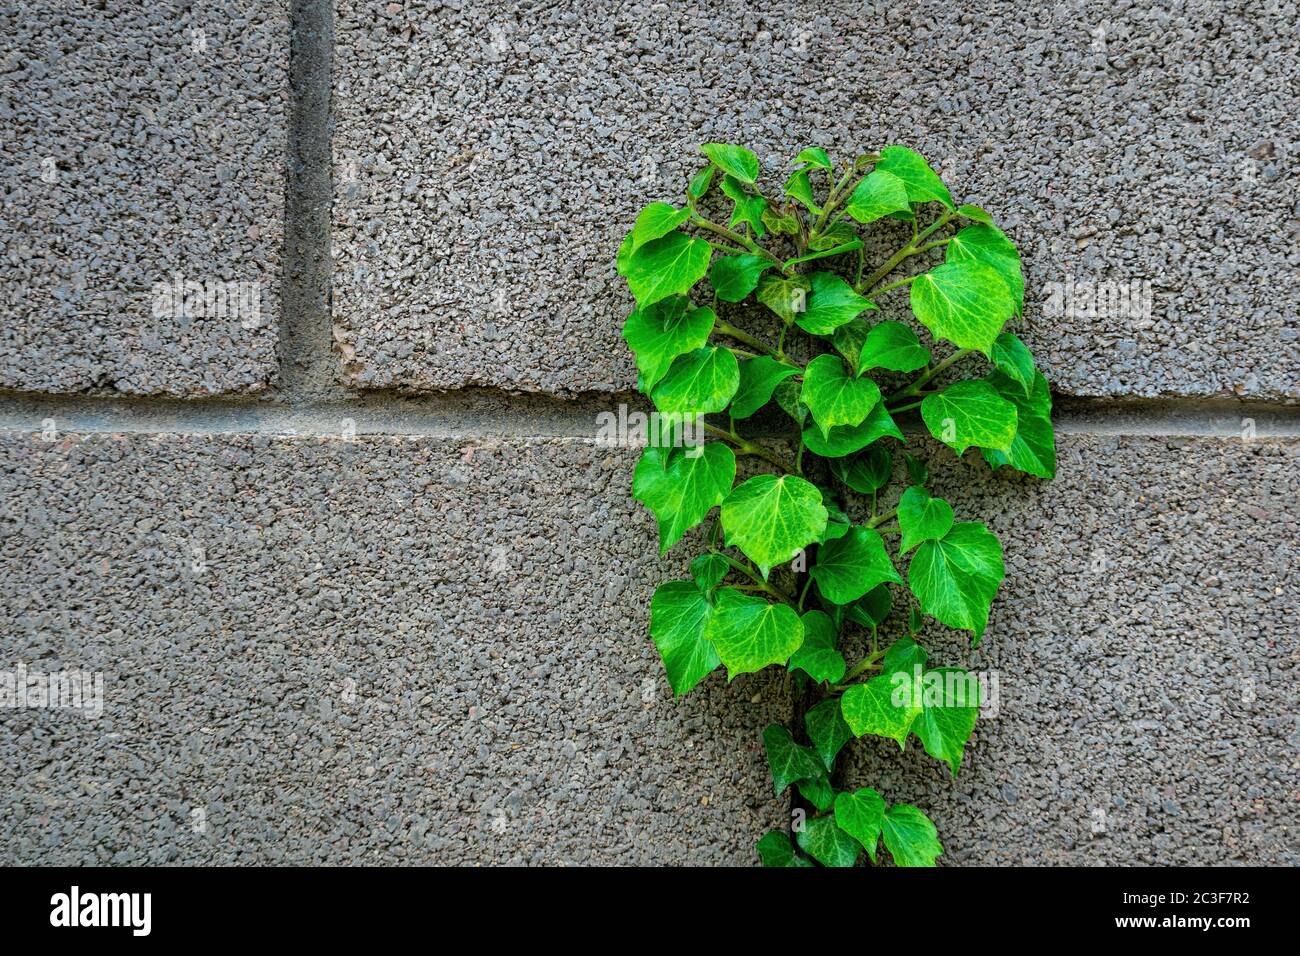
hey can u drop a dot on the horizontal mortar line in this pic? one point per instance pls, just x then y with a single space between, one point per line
488 413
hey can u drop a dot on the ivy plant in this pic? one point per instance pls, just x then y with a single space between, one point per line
755 307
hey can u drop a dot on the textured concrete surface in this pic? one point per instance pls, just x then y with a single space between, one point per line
393 651
424 650
141 141
1146 654
489 157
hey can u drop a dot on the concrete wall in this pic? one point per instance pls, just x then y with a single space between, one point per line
361 584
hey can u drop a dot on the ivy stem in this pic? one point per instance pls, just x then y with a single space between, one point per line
804 593
757 579
725 233
893 285
870 662
911 249
915 387
742 353
901 408
731 332
749 448
880 519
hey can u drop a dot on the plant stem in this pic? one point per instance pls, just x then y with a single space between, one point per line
867 663
904 408
804 593
893 285
731 332
749 448
915 387
880 519
725 233
911 249
757 579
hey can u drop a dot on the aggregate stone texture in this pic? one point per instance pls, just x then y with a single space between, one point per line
489 158
378 651
1143 653
141 142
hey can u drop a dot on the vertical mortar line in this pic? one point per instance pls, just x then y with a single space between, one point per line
307 362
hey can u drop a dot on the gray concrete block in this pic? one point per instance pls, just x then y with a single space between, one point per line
489 159
142 143
1145 652
376 651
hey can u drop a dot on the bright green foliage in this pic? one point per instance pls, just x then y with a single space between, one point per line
970 413
749 633
678 613
834 396
681 493
966 303
909 836
955 578
659 333
802 557
771 518
817 656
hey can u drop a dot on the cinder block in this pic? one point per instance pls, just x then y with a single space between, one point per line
144 150
489 160
1144 653
375 651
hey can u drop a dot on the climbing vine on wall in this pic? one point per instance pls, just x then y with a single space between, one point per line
759 306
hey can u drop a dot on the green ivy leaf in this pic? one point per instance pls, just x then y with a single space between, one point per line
826 843
656 220
975 214
956 578
815 156
848 568
708 570
678 614
861 814
966 303
944 727
733 160
837 525
681 493
775 849
670 265
922 183
701 182
1013 359
849 339
788 760
772 518
910 837
787 397
799 188
734 277
748 208
840 250
817 791
989 245
869 708
781 223
880 194
922 518
846 439
827 729
786 296
916 472
865 473
835 397
750 633
836 235
872 608
1033 450
817 656
970 413
893 346
624 256
660 332
831 303
700 381
759 377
